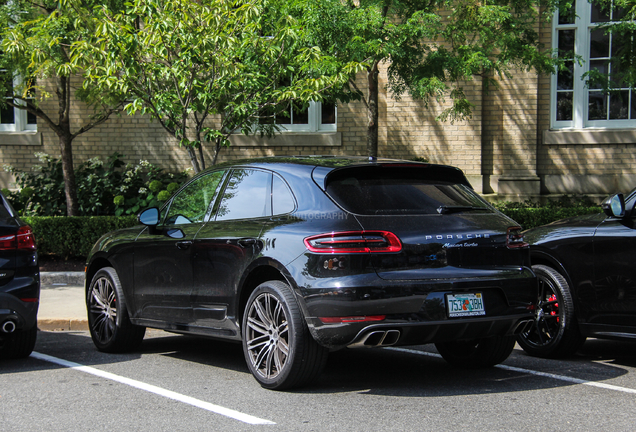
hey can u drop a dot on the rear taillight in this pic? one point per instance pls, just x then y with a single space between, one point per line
514 238
354 242
23 239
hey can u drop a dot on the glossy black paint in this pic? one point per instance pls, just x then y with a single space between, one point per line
596 255
200 283
19 277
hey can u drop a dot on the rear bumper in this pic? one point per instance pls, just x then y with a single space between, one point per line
416 312
396 333
16 314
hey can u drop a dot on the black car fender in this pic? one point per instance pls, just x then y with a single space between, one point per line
261 270
544 257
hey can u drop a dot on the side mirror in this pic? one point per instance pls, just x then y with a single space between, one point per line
175 233
614 206
149 217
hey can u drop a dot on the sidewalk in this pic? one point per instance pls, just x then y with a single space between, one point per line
62 304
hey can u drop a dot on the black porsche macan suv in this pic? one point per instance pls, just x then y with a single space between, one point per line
19 285
298 256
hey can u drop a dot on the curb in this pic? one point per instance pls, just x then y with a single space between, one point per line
52 280
67 278
62 324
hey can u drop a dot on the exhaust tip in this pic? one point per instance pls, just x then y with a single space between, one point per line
379 338
8 327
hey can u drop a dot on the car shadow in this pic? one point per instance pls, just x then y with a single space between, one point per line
620 353
417 372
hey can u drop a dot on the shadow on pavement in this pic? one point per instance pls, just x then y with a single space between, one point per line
365 371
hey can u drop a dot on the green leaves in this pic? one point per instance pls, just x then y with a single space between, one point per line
208 68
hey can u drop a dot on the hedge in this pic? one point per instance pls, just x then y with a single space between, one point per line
533 217
75 236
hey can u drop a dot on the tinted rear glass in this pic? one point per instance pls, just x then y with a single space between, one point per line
402 190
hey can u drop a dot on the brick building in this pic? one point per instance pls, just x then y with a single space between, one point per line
535 135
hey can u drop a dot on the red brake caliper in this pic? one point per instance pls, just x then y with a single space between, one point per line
555 307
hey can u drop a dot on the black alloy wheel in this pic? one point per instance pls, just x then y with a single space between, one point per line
108 320
554 333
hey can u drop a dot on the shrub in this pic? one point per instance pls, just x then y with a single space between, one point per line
531 214
111 188
73 236
534 217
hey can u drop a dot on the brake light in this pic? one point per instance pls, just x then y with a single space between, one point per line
514 238
23 239
351 319
354 242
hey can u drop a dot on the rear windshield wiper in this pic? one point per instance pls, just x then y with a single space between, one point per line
444 209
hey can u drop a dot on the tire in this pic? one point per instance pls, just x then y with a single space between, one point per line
555 332
279 350
477 353
20 344
108 320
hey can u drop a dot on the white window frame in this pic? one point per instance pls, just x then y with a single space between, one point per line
580 109
20 123
314 121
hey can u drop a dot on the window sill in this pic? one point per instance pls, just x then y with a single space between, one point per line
589 136
296 139
26 138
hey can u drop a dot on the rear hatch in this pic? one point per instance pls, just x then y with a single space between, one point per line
447 231
8 245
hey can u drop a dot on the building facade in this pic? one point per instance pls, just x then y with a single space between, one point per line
534 136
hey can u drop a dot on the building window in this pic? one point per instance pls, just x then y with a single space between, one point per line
574 104
14 119
317 117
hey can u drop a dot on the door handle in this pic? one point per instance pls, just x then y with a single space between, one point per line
246 242
184 244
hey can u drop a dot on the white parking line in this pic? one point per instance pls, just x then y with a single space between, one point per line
533 372
245 418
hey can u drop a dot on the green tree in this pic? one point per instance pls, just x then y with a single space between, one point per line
182 62
35 40
432 47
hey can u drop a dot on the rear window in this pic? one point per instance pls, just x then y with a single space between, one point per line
403 190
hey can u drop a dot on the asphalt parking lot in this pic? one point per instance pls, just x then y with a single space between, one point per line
179 382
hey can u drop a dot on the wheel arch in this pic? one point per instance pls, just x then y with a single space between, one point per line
93 267
259 272
544 258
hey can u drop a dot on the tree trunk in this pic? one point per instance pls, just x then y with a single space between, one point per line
372 112
193 159
217 149
70 187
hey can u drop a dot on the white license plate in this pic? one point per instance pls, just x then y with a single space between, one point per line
460 305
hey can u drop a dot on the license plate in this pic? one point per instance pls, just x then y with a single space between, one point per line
460 305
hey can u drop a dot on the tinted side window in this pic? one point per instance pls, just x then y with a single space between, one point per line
282 198
193 202
246 195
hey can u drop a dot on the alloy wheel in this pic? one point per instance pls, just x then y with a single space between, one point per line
548 315
267 335
103 309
